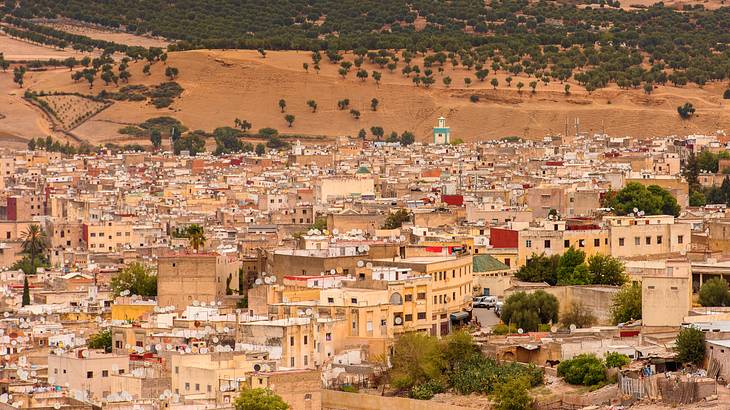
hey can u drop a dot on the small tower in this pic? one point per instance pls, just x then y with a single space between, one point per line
441 133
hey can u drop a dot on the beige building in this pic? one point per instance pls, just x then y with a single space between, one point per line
665 300
86 372
648 235
185 278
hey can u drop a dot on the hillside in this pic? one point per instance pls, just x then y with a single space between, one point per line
221 86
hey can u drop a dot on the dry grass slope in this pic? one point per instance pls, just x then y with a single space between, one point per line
223 85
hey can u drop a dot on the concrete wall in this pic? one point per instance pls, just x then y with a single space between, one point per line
665 301
336 400
597 299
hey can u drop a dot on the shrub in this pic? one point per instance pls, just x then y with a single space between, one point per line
427 390
348 388
502 329
616 359
690 345
512 395
584 369
474 98
726 94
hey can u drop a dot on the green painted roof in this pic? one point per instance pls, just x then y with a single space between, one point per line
487 263
363 170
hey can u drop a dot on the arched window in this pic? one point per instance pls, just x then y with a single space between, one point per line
396 299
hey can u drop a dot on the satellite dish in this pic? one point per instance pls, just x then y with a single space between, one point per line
360 264
196 303
215 339
202 303
573 327
335 231
398 320
332 271
308 311
273 279
635 210
520 331
553 329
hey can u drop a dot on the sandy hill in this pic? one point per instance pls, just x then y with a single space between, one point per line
223 85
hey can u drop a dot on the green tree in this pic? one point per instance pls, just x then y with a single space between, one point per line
528 311
539 268
512 394
289 118
690 346
571 269
320 223
407 138
260 149
101 340
196 236
520 84
312 104
31 145
377 132
19 75
606 270
171 72
26 292
686 110
579 315
34 244
584 369
494 83
652 200
447 81
135 278
715 292
626 304
395 219
417 358
616 359
374 104
191 142
156 138
282 104
259 399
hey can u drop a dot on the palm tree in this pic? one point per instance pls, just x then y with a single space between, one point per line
196 236
34 243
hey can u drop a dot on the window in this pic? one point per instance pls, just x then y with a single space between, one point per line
596 242
291 360
507 262
118 344
620 241
209 388
637 240
330 300
177 370
421 296
547 244
197 386
328 336
308 396
659 240
187 386
409 298
306 339
680 239
648 240
89 375
566 243
528 243
306 360
353 301
291 341
421 315
105 373
409 317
